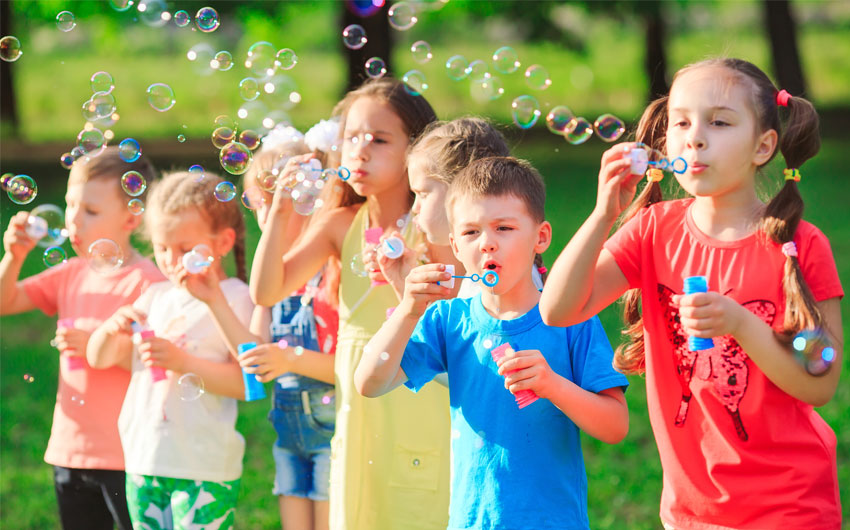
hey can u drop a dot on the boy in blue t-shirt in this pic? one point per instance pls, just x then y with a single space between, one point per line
516 459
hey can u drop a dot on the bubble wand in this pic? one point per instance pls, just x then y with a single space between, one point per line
489 278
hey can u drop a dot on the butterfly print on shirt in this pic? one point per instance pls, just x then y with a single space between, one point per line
725 364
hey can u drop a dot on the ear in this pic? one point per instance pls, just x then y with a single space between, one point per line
544 237
131 222
765 147
453 244
224 241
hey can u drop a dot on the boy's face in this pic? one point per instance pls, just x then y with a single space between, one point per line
497 233
97 210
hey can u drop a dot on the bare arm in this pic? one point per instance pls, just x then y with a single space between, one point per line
270 361
111 344
17 244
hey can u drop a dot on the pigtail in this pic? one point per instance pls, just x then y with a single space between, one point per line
538 264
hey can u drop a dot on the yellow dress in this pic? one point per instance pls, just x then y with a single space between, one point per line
389 455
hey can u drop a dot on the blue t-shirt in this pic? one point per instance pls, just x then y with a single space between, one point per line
511 468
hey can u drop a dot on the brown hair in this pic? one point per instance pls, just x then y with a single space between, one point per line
448 147
497 176
182 190
109 165
799 140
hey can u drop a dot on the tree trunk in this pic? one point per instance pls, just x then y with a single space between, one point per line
656 52
379 44
8 104
782 32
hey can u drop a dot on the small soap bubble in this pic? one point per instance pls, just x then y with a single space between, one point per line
421 51
487 343
578 131
100 106
78 400
537 77
160 97
525 110
77 152
91 142
222 61
102 82
104 255
129 150
28 378
354 36
21 189
813 349
151 12
252 198
267 179
385 356
455 434
486 89
136 206
222 136
200 56
376 67
181 138
46 223
559 119
235 158
65 21
506 60
261 59
402 16
54 256
225 191
608 127
415 82
190 387
198 171
133 183
327 398
249 89
207 19
357 266
182 18
286 59
456 67
250 139
477 69
121 5
304 198
67 160
10 49
299 351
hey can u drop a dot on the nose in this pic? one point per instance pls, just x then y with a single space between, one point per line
357 148
696 138
488 243
416 205
73 219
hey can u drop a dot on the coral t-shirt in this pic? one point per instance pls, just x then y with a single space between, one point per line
737 452
85 419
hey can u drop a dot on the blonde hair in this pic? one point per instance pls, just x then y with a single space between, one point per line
179 191
109 165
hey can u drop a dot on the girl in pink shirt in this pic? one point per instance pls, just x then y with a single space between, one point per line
740 443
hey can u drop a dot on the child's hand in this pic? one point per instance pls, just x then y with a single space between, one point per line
281 200
71 341
396 270
708 314
16 241
421 288
121 321
370 262
527 370
267 361
617 184
203 285
156 351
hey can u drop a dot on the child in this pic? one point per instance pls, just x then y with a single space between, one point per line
740 443
183 453
512 467
84 448
303 408
389 457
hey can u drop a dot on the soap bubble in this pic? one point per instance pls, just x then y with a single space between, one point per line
54 256
249 89
252 198
160 97
250 139
456 67
812 349
225 191
354 36
261 59
222 136
133 183
151 12
222 61
376 67
121 5
235 158
578 131
101 105
421 51
29 378
200 56
21 189
10 49
181 138
357 266
305 198
207 19
190 387
477 69
486 89
182 18
415 82
402 16
67 160
506 60
286 59
91 142
129 150
46 223
65 21
136 206
525 110
104 255
559 119
537 77
608 127
102 82
198 171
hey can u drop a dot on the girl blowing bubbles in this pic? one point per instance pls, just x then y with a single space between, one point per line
183 454
740 443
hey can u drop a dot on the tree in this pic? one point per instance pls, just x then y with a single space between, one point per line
782 32
8 103
379 44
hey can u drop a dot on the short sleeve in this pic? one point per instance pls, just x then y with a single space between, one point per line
242 305
817 263
592 357
145 300
626 244
425 353
43 288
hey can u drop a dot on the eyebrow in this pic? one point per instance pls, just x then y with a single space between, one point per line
719 107
372 131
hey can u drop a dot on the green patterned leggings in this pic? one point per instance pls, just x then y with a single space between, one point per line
162 503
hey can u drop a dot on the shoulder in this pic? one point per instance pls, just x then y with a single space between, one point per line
668 210
148 269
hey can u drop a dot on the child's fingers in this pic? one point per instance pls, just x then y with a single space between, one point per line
617 152
420 275
509 364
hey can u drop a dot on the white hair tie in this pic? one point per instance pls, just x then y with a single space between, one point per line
323 136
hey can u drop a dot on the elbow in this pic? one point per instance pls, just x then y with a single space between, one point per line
550 314
261 297
364 386
617 433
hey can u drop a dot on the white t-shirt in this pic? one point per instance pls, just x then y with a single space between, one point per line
188 437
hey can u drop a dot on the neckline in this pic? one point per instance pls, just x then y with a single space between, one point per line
488 324
707 240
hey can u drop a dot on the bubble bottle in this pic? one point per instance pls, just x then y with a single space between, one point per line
523 398
72 362
198 259
697 284
254 389
139 336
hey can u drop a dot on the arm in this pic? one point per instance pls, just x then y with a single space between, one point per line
111 344
270 361
396 270
380 370
585 278
712 315
16 244
603 415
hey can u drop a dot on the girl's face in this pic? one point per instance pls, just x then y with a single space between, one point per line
176 234
374 147
712 125
429 208
97 209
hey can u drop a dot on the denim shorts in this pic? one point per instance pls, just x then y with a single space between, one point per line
304 420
